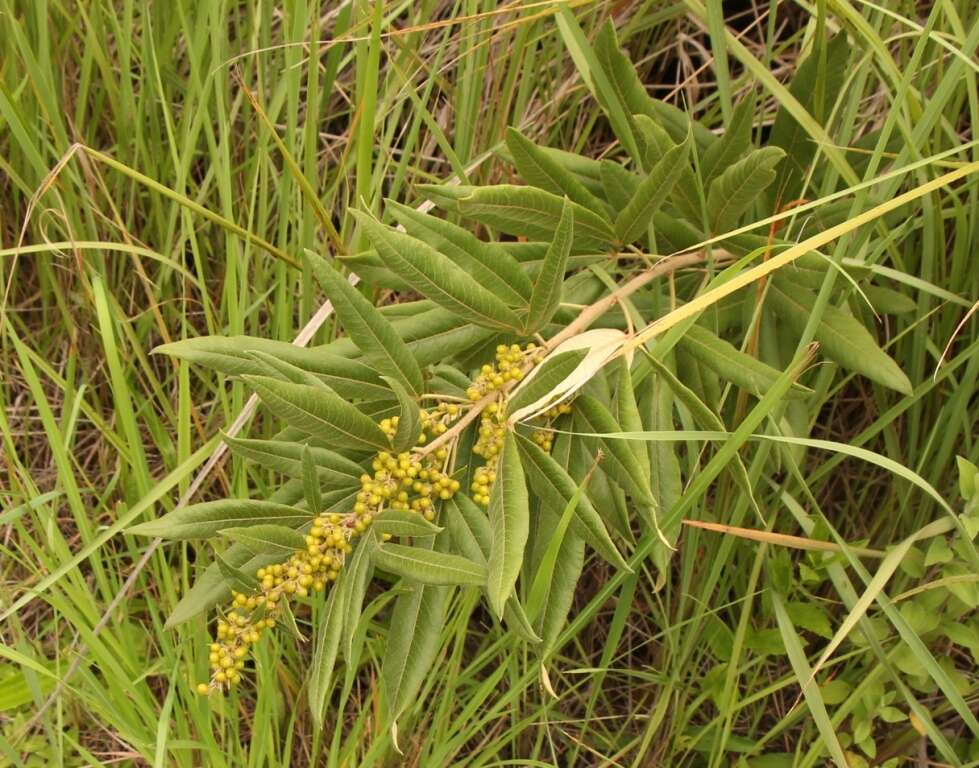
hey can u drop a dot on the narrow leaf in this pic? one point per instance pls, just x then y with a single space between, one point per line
509 516
636 217
412 646
409 420
373 333
201 521
311 483
842 338
229 355
319 412
399 522
436 276
429 567
267 539
488 263
546 297
334 471
734 190
555 488
328 634
619 462
541 170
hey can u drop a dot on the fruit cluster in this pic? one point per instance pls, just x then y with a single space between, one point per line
403 481
545 437
509 366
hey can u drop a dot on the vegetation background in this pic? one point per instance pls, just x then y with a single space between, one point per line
106 253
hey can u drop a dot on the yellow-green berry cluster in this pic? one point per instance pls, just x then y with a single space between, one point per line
545 437
307 570
509 366
489 443
403 481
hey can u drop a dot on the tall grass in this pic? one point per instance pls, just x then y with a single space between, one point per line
121 120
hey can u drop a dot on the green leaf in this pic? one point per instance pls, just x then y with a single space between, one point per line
842 338
412 645
321 413
630 92
733 144
734 190
234 577
541 170
436 276
399 522
229 355
555 488
792 136
627 411
619 184
333 470
468 527
328 635
546 297
201 521
545 378
356 576
535 214
634 220
619 463
429 567
409 420
509 517
488 263
968 477
810 617
749 373
657 144
311 485
373 333
267 539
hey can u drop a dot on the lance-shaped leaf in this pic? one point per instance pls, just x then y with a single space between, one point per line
201 521
373 333
427 566
618 184
230 355
409 419
546 297
631 93
620 462
509 516
267 539
540 169
842 338
401 522
555 488
734 190
733 144
334 471
535 214
328 634
656 144
544 378
627 411
320 412
634 220
436 276
411 648
470 531
234 577
311 483
488 263
729 362
356 577
469 528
